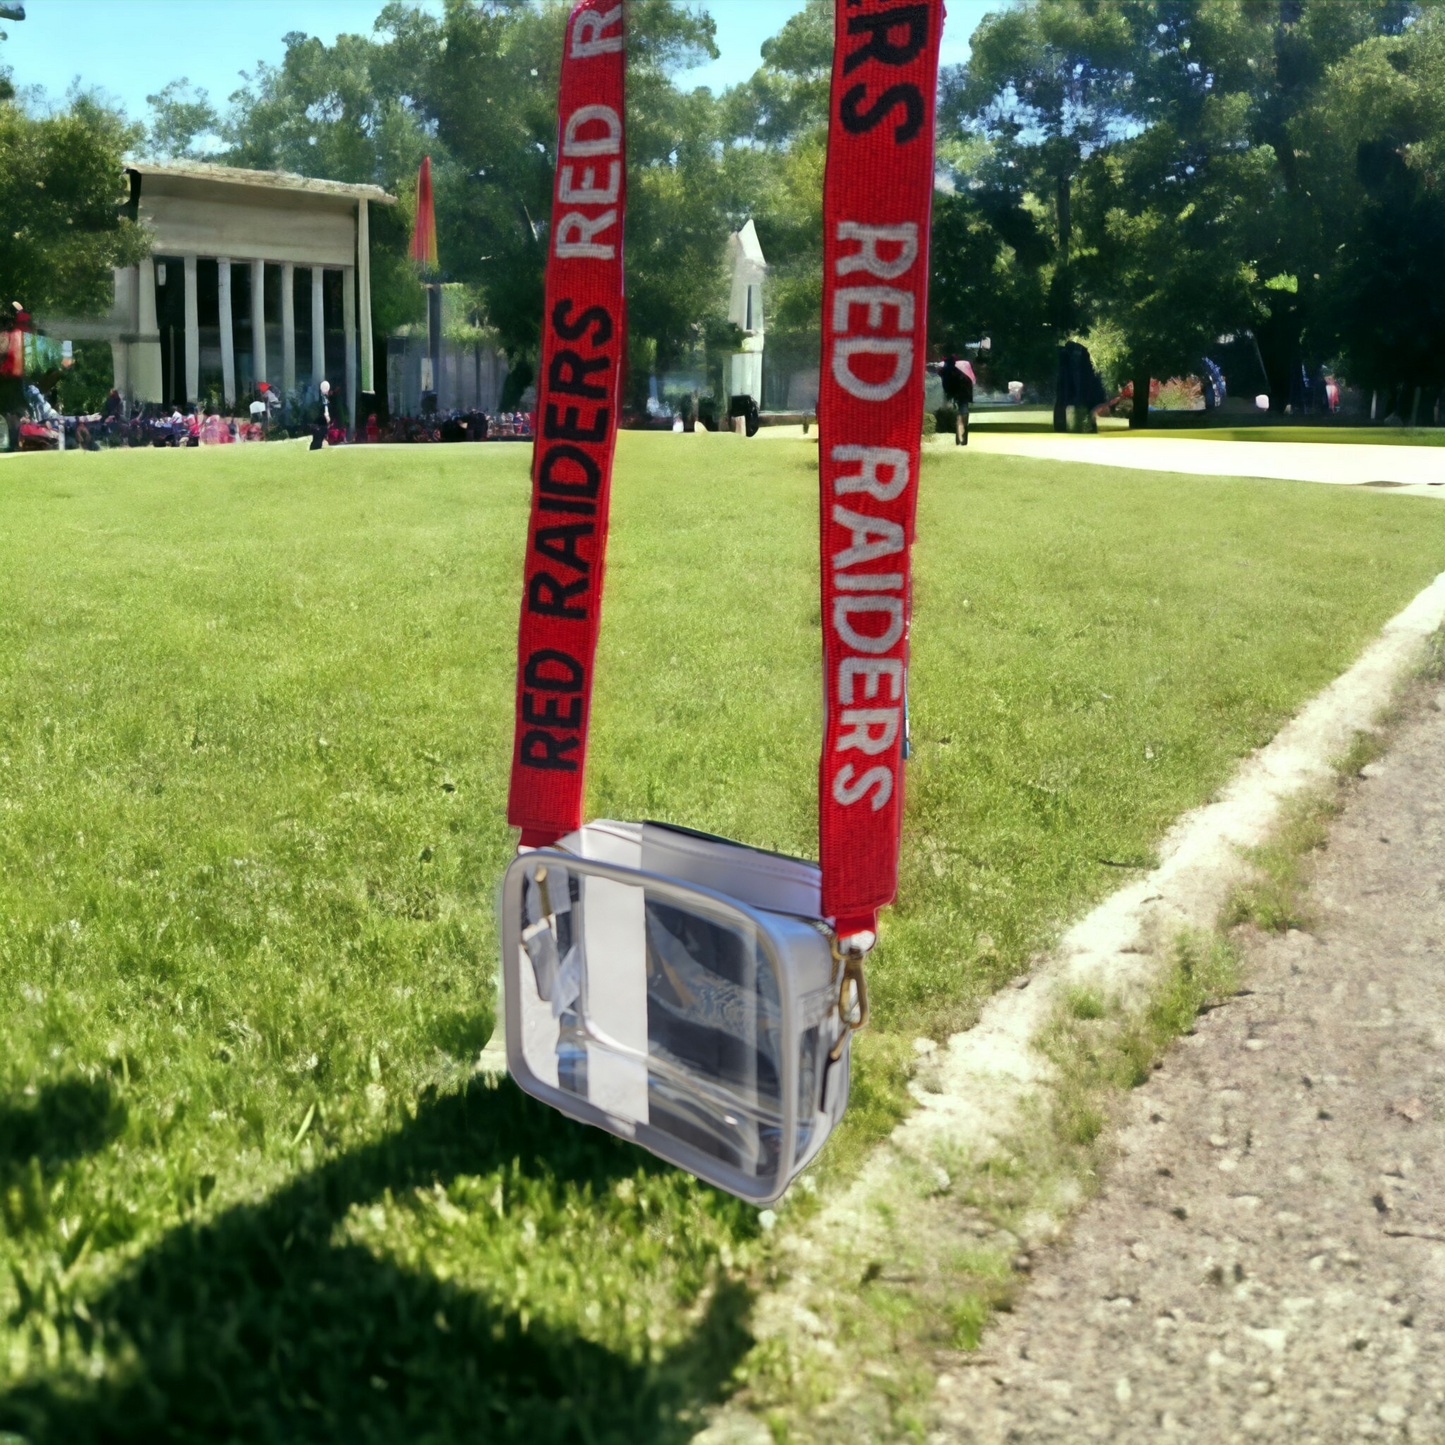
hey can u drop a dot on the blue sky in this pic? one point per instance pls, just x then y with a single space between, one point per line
131 48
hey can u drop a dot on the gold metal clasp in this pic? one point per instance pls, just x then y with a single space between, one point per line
852 1004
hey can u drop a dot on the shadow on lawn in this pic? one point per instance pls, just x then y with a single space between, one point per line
68 1119
65 1121
257 1328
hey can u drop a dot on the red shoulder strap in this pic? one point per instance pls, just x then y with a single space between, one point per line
877 203
877 208
578 389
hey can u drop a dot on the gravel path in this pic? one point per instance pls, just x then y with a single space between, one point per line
1266 1261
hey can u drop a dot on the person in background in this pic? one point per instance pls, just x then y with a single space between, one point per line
1078 393
1213 386
323 422
958 388
112 416
373 431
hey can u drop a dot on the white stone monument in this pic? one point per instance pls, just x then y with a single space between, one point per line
745 310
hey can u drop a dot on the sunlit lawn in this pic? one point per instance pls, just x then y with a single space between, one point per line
254 724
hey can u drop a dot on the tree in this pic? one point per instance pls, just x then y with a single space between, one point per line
1048 84
1172 211
180 116
62 189
489 87
1184 164
1376 162
7 78
676 227
1293 51
991 262
1165 213
481 84
787 96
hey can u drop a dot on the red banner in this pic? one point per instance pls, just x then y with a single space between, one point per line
578 384
877 203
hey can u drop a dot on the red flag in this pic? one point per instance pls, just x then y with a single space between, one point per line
424 234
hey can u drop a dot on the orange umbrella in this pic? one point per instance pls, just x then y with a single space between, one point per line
424 235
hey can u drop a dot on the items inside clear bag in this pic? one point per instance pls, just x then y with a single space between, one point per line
658 1009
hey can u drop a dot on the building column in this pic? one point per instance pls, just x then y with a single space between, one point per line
288 330
146 352
120 366
258 322
124 313
318 328
193 334
348 326
363 282
228 335
487 381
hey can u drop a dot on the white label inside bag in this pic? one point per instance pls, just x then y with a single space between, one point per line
615 930
539 1027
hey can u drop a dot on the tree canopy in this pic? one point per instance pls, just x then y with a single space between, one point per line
1149 174
62 185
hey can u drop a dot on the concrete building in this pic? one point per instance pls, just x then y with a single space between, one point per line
254 276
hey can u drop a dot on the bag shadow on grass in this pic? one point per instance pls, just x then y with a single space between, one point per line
256 1327
67 1119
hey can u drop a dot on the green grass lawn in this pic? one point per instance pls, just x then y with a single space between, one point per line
255 713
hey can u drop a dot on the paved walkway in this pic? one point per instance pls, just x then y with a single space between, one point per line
1418 470
1266 1261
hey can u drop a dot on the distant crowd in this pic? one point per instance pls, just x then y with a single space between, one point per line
42 428
452 426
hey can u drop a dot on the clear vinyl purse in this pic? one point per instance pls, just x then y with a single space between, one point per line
682 991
